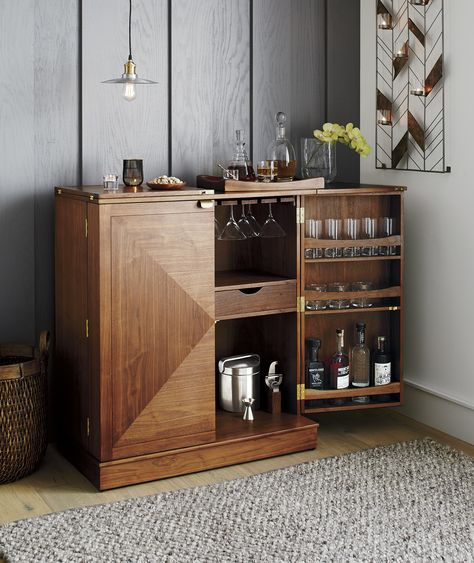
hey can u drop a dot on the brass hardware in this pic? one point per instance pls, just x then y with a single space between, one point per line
300 304
300 215
91 197
88 426
59 191
300 392
86 228
129 67
209 204
87 328
394 308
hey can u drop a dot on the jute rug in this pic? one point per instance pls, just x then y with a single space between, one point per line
405 502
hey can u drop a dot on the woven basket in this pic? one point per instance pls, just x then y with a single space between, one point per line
23 432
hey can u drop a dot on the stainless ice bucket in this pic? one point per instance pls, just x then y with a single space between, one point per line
239 378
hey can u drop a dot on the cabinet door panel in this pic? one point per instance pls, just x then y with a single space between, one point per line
162 338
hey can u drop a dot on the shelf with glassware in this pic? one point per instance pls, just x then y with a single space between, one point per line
354 278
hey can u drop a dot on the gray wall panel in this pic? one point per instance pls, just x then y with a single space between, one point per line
288 69
210 82
114 129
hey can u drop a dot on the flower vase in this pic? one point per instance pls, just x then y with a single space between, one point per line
318 159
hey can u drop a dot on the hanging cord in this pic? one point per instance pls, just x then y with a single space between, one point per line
130 32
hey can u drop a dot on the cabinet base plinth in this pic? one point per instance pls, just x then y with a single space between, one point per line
237 441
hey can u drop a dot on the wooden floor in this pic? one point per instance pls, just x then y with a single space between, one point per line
57 485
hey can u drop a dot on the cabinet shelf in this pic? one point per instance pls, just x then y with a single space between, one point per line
387 292
311 394
354 310
350 259
394 240
248 279
352 407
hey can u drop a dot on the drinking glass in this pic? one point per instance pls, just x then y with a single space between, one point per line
133 172
314 229
338 303
252 221
333 232
316 304
352 229
318 159
231 231
369 230
217 228
271 229
362 302
245 226
110 182
266 171
386 229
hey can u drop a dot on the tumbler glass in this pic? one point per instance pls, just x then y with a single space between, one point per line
352 229
316 304
314 229
387 229
333 232
369 230
362 302
338 303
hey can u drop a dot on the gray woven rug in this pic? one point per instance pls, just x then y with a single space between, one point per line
405 502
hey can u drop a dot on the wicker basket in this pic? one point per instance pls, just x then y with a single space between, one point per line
23 432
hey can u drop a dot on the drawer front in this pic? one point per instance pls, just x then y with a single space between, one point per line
232 303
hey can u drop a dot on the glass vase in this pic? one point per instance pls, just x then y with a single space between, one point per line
318 159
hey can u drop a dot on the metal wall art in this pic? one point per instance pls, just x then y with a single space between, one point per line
410 89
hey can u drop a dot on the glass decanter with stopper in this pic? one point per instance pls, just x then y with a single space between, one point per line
241 162
282 151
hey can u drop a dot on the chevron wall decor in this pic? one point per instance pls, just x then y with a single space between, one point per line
410 86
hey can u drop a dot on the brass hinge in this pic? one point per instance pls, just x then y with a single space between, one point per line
300 304
300 392
86 228
88 426
87 328
300 215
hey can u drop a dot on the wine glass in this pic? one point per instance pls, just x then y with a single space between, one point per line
217 228
252 221
271 229
245 225
231 231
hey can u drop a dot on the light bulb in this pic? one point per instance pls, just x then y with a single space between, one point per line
129 91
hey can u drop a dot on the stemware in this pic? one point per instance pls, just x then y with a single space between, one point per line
231 231
217 228
245 226
252 221
271 229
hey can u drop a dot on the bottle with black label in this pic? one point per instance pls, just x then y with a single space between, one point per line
382 363
339 365
315 369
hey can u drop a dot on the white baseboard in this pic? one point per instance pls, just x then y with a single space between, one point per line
449 416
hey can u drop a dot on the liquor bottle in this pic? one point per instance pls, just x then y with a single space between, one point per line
282 151
360 365
241 161
315 368
382 363
339 365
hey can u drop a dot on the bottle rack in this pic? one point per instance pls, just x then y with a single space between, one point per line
384 317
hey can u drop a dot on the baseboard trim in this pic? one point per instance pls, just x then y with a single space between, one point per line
440 394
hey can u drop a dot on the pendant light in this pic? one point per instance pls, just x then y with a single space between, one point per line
129 77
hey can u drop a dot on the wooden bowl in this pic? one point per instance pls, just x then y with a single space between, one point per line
153 186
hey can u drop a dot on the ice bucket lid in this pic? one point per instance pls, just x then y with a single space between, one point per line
247 364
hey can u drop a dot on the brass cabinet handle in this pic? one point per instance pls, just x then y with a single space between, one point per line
206 204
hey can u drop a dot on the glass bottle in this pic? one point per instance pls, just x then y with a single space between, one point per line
360 364
241 161
339 365
315 369
282 151
382 363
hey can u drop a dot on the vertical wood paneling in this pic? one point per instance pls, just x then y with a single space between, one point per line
56 132
114 129
210 82
343 77
17 295
288 69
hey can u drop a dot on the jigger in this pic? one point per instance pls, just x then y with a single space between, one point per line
248 413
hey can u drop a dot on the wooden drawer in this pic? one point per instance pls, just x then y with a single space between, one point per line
235 303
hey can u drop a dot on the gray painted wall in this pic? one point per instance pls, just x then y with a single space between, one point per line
231 65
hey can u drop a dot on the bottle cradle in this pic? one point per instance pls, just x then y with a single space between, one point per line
342 372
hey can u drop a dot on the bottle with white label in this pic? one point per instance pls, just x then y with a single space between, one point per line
339 365
382 363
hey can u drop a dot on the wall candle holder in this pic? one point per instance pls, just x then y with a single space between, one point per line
410 122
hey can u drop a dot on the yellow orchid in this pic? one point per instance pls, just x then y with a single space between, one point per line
348 135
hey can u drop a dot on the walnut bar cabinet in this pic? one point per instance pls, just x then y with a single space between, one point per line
148 301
